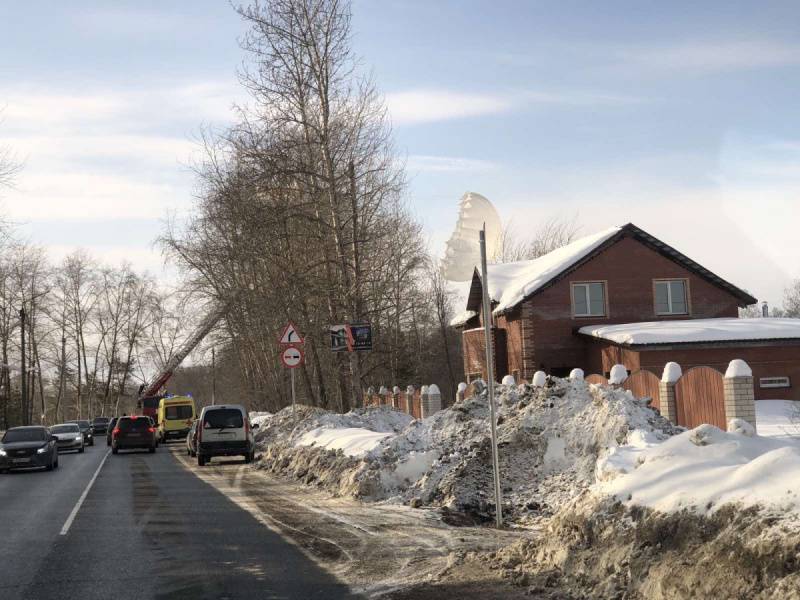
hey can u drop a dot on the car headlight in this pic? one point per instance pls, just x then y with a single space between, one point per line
78 438
42 450
2 452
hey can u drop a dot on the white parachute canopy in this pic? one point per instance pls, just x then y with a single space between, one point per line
463 248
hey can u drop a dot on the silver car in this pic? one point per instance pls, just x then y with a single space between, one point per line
69 437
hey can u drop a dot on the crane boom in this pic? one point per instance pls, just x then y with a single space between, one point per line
190 344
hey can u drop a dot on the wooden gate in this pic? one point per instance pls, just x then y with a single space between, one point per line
644 384
700 398
596 379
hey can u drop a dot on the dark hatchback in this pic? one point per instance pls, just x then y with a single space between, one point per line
28 448
100 425
86 430
134 432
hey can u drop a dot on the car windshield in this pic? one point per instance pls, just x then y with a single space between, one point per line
130 424
181 411
101 420
223 417
150 402
28 434
67 428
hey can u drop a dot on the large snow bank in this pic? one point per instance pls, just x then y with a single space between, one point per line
549 439
703 469
352 441
696 330
259 417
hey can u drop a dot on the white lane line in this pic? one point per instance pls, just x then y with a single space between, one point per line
74 513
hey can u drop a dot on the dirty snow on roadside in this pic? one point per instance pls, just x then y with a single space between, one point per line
549 437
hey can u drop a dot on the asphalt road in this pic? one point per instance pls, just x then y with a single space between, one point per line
148 528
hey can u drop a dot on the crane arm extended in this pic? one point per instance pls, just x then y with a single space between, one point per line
190 344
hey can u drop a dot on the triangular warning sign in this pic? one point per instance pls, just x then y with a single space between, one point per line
290 335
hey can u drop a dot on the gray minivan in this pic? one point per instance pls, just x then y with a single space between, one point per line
224 430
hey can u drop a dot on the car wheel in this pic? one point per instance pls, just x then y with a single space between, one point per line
56 465
151 449
247 459
50 466
114 450
194 453
201 460
81 449
3 471
91 443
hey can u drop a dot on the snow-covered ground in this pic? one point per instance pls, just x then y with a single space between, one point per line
352 441
778 418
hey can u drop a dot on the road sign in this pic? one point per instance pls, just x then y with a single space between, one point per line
292 357
290 335
351 337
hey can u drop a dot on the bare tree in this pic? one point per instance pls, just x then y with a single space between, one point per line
551 234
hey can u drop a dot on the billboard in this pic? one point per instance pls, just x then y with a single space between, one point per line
351 337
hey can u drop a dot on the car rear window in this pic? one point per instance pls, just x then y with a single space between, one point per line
71 428
24 435
138 424
101 420
181 411
223 417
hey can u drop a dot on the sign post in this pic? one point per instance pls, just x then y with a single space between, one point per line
487 327
292 356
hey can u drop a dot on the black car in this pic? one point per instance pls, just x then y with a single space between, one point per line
100 425
111 424
133 432
28 448
86 430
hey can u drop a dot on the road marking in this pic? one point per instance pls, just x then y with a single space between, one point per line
74 513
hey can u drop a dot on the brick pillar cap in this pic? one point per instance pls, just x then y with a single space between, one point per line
738 368
672 372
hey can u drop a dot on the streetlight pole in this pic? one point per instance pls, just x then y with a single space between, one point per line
213 376
24 370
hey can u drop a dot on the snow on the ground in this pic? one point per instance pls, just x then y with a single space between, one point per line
703 469
696 330
352 441
778 418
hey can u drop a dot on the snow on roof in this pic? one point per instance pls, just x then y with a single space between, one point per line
696 330
511 283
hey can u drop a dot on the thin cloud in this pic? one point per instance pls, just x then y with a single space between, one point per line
430 105
423 163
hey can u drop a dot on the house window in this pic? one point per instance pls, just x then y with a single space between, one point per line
589 299
671 297
774 382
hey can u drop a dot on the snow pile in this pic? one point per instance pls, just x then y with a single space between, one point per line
352 441
259 417
705 468
738 368
549 440
672 372
618 375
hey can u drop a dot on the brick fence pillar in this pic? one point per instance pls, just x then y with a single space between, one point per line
666 389
395 397
461 391
409 399
431 402
739 393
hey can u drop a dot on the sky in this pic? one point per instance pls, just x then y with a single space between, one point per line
680 117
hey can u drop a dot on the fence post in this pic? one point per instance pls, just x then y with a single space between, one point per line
409 399
395 397
431 402
666 392
370 395
739 393
461 392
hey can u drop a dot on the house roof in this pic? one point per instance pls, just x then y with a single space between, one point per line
511 283
695 331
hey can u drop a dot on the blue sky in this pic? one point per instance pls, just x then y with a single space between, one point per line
680 117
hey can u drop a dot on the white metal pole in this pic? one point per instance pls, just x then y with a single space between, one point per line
487 328
294 415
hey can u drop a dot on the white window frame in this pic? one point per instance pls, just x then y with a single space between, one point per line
781 381
585 285
669 296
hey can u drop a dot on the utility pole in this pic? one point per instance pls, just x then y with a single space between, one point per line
24 373
487 328
213 376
